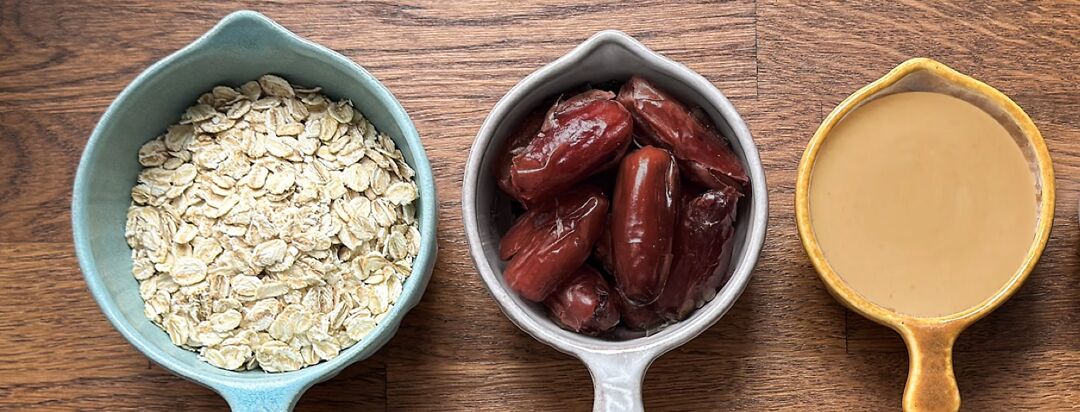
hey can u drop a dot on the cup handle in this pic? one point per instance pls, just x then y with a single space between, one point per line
617 379
262 397
931 384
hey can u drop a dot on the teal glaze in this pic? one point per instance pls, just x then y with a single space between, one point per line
243 46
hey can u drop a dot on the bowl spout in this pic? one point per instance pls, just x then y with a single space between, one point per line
248 29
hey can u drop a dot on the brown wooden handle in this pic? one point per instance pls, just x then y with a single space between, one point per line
931 385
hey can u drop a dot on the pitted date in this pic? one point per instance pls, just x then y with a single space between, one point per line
647 193
661 120
584 303
659 249
579 137
602 251
702 250
550 241
639 317
514 145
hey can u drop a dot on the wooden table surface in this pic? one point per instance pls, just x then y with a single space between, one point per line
785 345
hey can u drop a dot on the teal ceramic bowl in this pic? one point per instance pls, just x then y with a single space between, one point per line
243 46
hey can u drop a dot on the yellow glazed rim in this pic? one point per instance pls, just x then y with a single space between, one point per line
931 383
906 324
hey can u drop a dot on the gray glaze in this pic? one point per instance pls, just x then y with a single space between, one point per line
617 367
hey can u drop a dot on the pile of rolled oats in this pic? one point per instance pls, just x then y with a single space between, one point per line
272 227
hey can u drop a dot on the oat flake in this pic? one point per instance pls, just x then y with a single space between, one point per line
272 227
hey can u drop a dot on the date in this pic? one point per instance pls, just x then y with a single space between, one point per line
550 241
602 251
702 250
585 303
579 137
639 317
647 193
661 120
659 249
514 145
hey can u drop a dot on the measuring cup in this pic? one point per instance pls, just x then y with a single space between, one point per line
931 384
617 366
242 47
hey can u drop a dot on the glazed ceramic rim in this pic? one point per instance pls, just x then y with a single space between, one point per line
832 280
259 380
675 335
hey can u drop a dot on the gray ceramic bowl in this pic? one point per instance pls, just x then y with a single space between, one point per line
617 367
243 46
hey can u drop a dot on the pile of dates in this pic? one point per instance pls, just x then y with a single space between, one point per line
629 204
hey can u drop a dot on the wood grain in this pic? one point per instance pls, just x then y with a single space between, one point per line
786 345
